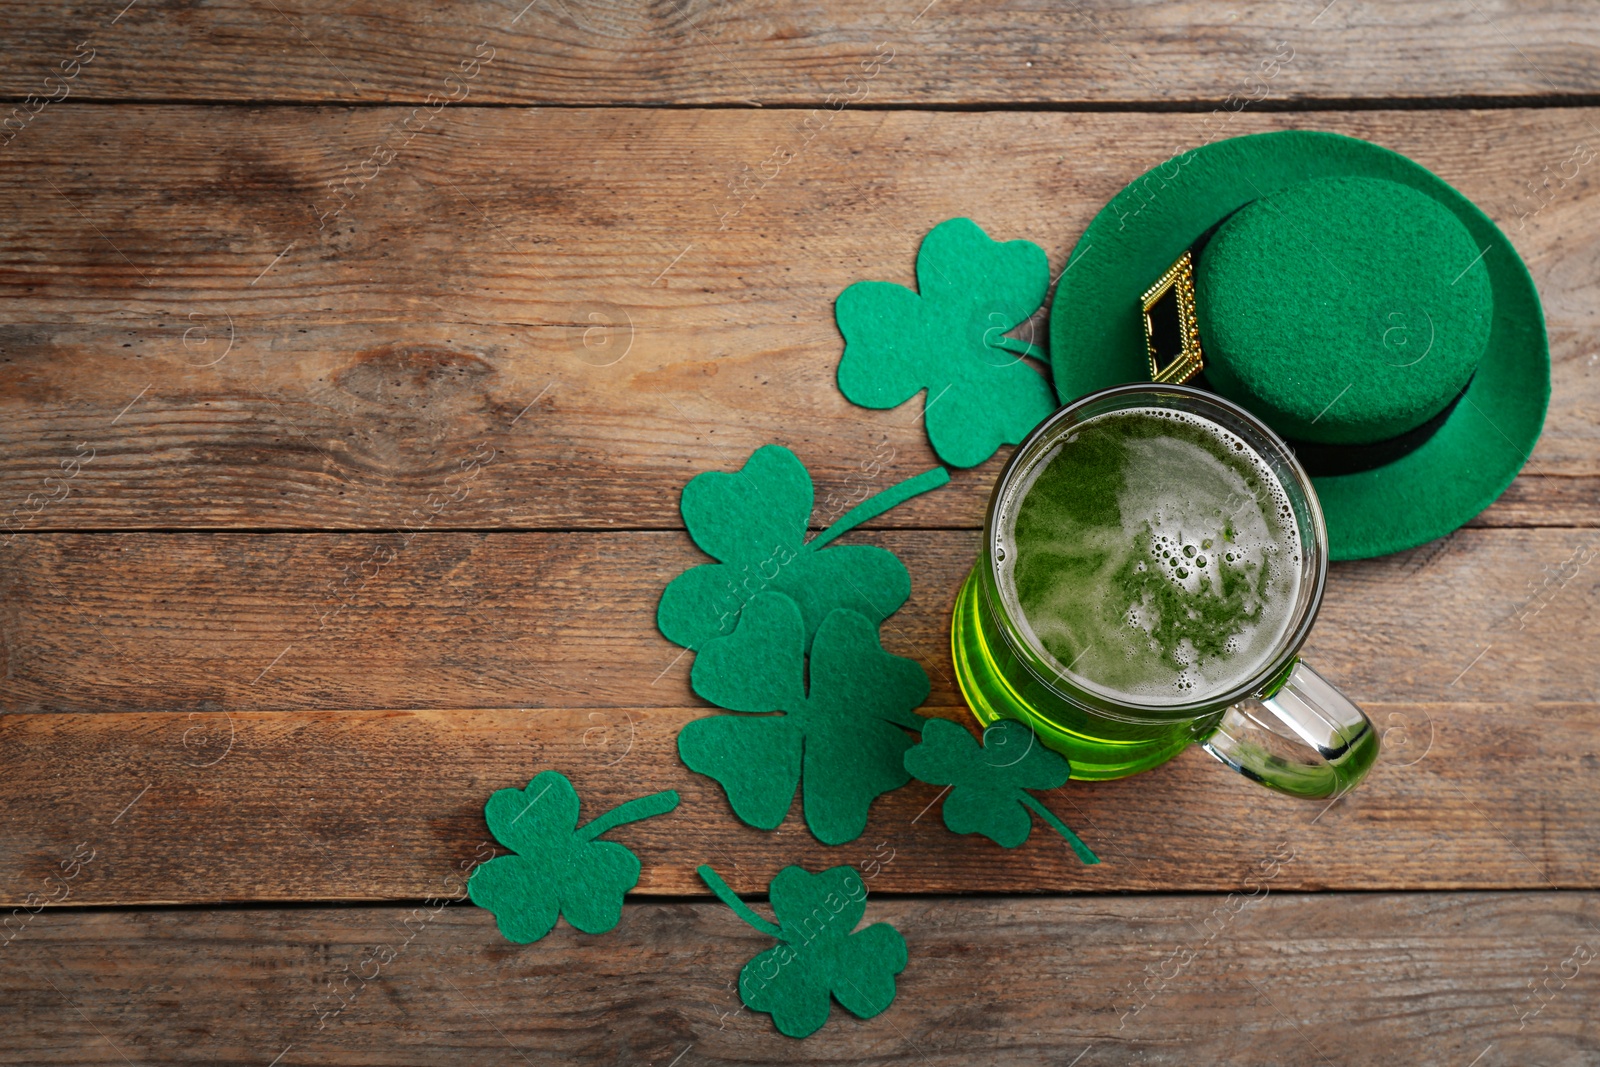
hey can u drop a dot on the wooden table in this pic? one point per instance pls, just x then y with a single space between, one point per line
276 274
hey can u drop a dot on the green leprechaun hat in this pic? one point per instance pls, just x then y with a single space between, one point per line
1362 308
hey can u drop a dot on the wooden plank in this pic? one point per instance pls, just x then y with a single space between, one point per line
240 622
323 806
548 297
716 52
1355 980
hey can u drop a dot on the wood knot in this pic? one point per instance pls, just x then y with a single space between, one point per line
412 376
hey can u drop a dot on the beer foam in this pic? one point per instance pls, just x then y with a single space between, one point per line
1157 560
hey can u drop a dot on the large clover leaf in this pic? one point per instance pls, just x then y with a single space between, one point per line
845 738
754 521
820 953
559 868
949 338
987 783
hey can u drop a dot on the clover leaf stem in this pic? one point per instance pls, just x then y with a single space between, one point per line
740 908
877 504
1059 827
1021 348
907 720
631 811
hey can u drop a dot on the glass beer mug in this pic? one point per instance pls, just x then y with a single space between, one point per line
1261 711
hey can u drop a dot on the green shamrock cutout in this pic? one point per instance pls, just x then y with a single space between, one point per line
845 739
754 522
558 867
949 338
987 783
819 953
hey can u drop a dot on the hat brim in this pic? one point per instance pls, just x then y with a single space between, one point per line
1097 338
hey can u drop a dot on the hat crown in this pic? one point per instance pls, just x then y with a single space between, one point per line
1343 310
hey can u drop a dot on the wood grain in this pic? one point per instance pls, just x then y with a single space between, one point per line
553 289
762 54
241 622
362 806
1360 980
607 264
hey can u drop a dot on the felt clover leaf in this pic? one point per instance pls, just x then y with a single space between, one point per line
949 338
845 739
987 783
819 953
754 522
559 867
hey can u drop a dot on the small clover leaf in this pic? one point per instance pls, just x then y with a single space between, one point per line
845 739
949 338
558 868
754 522
820 952
987 783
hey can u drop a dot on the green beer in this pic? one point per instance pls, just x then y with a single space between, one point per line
1151 556
1146 567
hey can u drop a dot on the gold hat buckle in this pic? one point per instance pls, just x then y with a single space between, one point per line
1177 331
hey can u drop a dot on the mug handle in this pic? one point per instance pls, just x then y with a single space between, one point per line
1340 735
